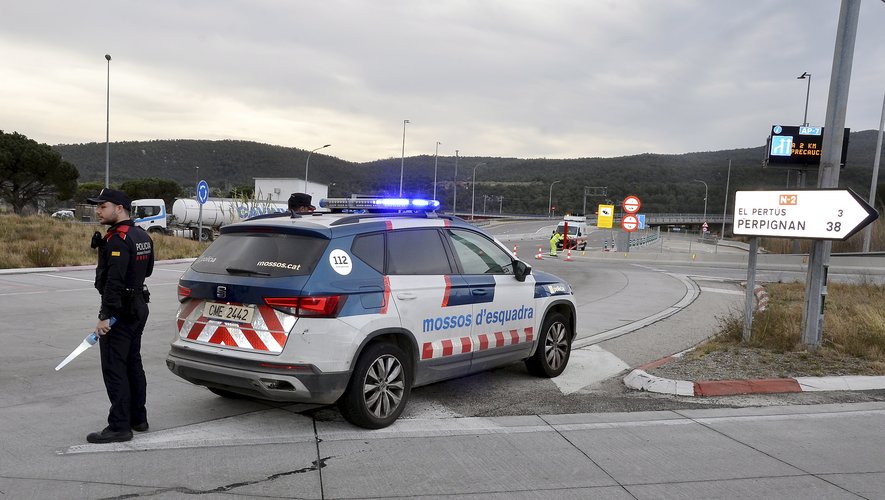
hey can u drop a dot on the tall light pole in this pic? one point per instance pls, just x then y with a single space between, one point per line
868 231
107 132
725 210
705 199
435 163
806 76
307 164
473 189
550 199
455 186
402 163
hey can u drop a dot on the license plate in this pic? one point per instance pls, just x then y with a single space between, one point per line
229 312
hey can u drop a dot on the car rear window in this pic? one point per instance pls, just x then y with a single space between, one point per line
261 254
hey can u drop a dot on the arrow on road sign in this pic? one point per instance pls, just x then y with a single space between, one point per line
822 214
630 223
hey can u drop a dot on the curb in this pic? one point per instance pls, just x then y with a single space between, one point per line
639 379
26 270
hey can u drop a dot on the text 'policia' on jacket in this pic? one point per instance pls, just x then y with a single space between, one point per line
356 309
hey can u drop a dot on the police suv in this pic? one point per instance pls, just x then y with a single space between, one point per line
359 308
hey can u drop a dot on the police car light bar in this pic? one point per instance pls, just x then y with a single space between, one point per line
417 204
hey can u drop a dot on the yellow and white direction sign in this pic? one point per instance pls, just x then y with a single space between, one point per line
606 216
823 214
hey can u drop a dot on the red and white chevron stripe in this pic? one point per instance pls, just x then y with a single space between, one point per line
267 332
481 342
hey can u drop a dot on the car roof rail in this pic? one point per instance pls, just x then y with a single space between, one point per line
354 218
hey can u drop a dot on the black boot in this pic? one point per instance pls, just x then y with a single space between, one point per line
108 436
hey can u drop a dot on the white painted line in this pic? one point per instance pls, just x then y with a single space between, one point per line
587 366
722 290
65 277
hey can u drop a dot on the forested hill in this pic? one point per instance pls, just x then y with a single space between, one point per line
665 183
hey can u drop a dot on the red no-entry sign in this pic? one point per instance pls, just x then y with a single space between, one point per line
630 223
631 204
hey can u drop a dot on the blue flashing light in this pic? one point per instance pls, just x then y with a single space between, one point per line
380 204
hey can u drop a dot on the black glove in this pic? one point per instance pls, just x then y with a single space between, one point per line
98 240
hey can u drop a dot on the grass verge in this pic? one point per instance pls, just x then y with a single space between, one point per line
853 332
40 241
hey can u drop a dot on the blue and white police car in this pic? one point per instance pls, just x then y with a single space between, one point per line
359 308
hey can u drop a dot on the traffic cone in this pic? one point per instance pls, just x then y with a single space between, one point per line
514 252
539 257
568 255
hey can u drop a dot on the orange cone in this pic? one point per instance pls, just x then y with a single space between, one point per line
568 255
538 256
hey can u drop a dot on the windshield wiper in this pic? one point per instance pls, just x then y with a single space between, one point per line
237 270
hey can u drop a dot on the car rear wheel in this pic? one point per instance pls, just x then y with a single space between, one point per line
554 348
379 387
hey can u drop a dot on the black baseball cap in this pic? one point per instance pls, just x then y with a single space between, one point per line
113 196
300 200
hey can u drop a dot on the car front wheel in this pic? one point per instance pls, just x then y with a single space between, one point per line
554 348
379 387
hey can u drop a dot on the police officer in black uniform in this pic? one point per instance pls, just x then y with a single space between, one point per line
299 204
125 258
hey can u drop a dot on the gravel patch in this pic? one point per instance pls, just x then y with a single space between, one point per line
737 363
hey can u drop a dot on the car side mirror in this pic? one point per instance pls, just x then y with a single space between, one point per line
521 270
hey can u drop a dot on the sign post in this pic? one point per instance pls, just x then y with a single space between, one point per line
630 222
202 197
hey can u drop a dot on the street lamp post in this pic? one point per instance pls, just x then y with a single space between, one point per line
107 137
868 231
307 164
705 201
402 163
435 162
550 199
455 186
806 76
500 204
473 189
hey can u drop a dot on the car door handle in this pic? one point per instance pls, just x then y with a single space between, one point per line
406 296
479 291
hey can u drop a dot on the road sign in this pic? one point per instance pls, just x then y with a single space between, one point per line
704 226
605 216
202 192
631 204
641 218
822 214
630 223
790 146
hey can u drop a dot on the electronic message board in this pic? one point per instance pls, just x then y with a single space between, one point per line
798 147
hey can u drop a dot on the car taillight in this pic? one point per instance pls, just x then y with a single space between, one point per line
314 307
183 293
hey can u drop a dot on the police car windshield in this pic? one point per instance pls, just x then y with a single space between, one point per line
261 254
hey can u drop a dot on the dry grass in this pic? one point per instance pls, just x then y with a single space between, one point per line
40 241
853 332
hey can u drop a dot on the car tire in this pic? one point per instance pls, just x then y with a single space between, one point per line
379 387
554 347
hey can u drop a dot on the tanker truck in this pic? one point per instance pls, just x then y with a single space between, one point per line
152 216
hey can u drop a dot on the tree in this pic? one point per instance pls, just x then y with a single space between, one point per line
29 171
166 189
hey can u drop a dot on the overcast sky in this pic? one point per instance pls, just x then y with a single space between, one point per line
514 78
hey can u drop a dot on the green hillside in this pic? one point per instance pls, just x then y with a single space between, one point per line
665 183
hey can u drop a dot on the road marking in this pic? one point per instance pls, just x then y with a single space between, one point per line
587 366
722 290
65 277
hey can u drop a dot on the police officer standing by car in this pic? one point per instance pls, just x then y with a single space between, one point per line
299 204
125 258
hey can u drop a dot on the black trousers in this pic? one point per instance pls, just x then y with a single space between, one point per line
123 372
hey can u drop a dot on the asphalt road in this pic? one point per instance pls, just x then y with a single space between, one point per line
498 433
